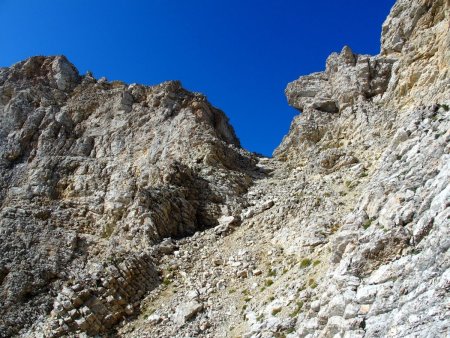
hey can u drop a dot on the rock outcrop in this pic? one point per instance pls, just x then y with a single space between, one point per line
133 211
92 169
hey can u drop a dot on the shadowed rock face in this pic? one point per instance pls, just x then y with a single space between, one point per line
91 168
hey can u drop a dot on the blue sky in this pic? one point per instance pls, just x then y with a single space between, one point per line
240 53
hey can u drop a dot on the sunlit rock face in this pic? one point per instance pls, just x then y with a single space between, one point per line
91 169
374 134
132 211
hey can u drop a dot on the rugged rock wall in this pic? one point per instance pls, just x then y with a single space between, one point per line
344 233
386 117
90 169
416 34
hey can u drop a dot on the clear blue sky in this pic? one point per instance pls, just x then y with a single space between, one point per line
240 53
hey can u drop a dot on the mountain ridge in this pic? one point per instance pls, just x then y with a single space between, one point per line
129 210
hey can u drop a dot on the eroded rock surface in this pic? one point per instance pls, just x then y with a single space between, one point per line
92 169
344 233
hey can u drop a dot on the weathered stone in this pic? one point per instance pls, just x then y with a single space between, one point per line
345 230
187 311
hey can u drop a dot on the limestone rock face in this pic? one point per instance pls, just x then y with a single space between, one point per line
132 211
379 126
416 34
90 169
348 78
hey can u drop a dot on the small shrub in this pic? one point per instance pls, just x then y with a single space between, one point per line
367 224
305 263
276 311
445 107
271 273
269 282
166 281
312 283
317 262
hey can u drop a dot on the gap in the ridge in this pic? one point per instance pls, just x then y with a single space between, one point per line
240 54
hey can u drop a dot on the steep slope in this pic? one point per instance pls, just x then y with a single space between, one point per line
93 172
348 234
344 233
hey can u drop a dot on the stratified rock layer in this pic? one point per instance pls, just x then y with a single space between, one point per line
344 233
91 169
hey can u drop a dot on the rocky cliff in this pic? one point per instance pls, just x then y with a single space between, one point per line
94 172
132 211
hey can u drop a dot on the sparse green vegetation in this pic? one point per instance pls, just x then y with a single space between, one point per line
316 262
269 282
232 291
271 273
367 223
247 299
271 298
445 107
305 262
297 310
166 281
149 312
312 283
318 201
108 231
276 311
